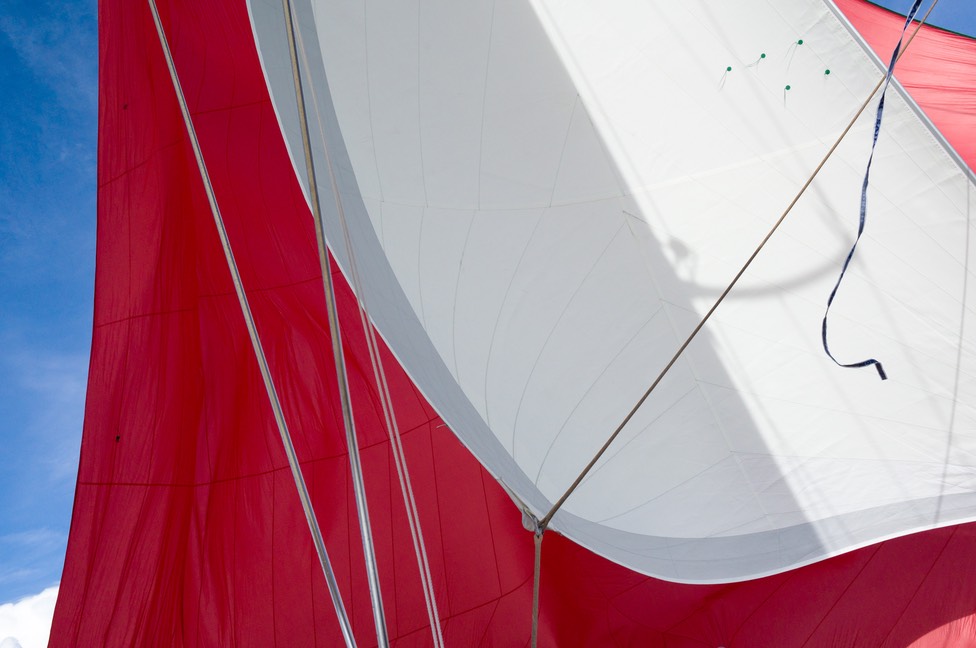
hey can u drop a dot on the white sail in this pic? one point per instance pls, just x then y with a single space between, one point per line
545 197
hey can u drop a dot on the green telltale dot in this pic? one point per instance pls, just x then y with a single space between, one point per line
827 71
762 56
799 42
728 69
787 87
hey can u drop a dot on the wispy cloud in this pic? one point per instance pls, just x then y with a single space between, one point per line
27 622
55 47
41 412
57 382
47 125
55 385
29 559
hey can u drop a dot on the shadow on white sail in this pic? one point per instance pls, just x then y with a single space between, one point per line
543 202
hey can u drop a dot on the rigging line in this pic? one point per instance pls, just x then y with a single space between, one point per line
544 523
279 416
536 583
400 461
396 445
386 400
406 487
352 443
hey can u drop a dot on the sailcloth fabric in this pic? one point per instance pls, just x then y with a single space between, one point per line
542 199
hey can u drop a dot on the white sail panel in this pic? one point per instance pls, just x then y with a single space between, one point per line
545 198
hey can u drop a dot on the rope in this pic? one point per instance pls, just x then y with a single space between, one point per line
406 488
386 401
352 443
379 374
400 461
536 585
276 408
548 517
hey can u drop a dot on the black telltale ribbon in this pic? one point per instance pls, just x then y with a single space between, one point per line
864 202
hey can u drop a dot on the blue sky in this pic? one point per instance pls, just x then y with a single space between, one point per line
955 15
48 79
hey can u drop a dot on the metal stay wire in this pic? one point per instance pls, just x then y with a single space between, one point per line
352 443
383 392
543 524
379 374
286 440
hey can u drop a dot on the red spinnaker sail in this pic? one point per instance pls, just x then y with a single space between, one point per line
187 530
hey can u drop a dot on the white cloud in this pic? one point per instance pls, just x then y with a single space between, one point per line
27 623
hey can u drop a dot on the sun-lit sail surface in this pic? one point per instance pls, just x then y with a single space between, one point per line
542 199
543 208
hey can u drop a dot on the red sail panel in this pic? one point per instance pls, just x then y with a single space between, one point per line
938 70
187 530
